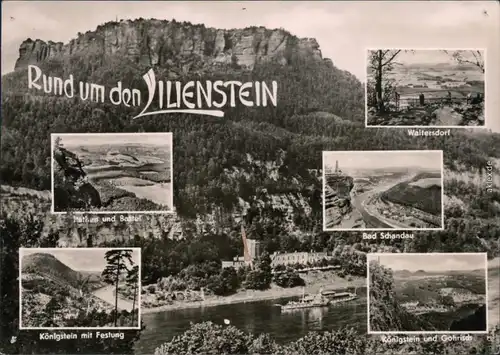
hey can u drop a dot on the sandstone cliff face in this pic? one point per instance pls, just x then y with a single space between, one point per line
291 204
71 187
155 42
339 212
337 198
20 202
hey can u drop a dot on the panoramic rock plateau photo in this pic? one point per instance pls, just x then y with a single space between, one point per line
128 172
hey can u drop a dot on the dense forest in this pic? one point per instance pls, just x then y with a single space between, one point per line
217 162
27 232
386 314
214 339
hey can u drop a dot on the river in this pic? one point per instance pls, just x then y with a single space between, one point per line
107 295
371 220
254 317
125 178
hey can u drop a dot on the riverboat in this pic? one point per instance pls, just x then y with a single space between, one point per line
317 300
341 297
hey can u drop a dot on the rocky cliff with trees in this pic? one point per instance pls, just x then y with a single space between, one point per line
72 190
386 313
271 156
214 339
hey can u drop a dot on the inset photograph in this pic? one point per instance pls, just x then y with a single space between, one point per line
427 293
425 88
79 288
383 190
112 173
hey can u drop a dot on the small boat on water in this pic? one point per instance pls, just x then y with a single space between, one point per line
317 300
321 299
340 297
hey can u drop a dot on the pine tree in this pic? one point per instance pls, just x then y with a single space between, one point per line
118 262
133 281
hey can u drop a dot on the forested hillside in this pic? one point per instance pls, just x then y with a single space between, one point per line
386 314
28 233
42 263
257 166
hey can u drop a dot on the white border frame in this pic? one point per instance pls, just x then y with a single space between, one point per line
138 301
169 134
382 229
369 331
484 126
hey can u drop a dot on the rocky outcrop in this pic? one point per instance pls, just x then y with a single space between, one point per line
158 42
34 52
22 202
338 205
290 197
71 188
69 164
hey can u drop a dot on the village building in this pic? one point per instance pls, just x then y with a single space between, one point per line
252 250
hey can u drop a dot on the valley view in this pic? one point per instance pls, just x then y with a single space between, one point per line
245 227
394 197
444 299
54 295
103 175
427 88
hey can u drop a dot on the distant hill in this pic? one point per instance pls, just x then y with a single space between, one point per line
264 160
92 276
49 266
441 66
477 272
401 273
427 199
407 273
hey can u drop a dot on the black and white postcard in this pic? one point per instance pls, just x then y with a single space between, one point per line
428 293
262 189
112 172
380 190
426 87
80 288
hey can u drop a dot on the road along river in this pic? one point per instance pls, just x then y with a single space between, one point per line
372 220
107 295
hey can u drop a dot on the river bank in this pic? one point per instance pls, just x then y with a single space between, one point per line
107 295
275 292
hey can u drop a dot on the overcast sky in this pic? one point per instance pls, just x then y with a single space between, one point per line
432 262
354 160
343 29
430 57
80 259
86 139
